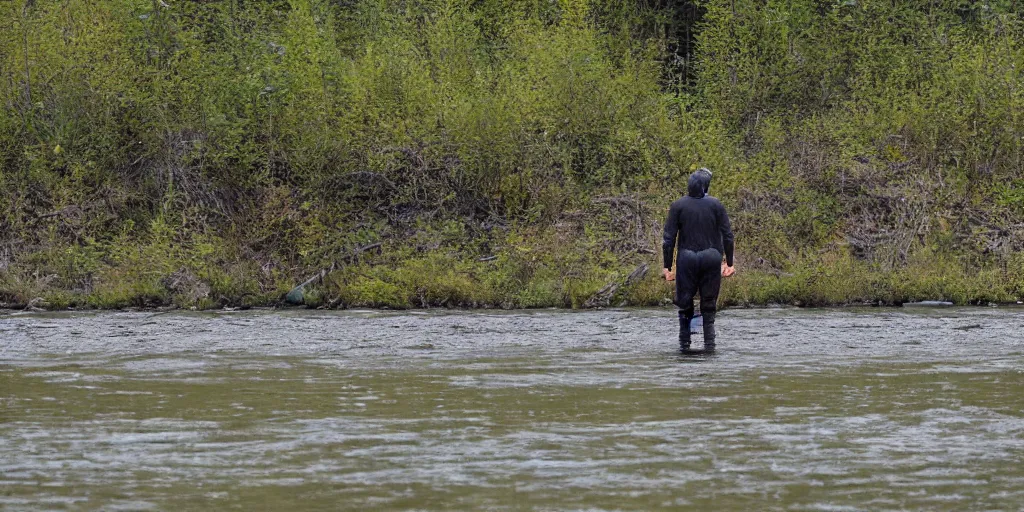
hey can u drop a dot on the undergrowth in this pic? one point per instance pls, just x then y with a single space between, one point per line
501 153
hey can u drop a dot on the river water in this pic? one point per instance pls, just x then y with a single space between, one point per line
857 409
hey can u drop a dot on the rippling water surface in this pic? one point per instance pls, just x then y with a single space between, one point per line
869 409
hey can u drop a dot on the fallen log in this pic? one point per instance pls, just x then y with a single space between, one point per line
604 296
297 295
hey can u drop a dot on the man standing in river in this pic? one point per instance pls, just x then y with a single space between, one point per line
701 226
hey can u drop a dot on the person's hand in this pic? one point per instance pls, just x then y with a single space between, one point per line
727 270
668 274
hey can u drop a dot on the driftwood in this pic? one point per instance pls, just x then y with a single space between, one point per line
296 295
604 296
32 304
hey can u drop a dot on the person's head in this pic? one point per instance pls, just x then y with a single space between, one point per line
707 185
699 183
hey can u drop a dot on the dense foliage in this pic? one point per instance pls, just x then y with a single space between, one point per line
505 152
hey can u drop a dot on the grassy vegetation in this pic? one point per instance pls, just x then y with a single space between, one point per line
505 153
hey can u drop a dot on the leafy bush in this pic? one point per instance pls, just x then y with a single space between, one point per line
243 146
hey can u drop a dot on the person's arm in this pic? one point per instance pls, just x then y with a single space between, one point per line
728 242
668 243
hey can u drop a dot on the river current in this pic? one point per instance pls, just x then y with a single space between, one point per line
852 409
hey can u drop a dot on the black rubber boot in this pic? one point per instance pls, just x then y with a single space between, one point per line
684 330
709 332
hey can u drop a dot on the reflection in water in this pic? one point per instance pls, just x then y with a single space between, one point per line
865 410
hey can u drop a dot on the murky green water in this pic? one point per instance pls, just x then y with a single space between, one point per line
800 410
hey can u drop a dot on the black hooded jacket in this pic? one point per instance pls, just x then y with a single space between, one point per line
698 221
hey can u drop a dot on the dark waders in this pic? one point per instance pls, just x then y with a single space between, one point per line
698 272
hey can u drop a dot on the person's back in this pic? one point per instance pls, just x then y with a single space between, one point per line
699 227
700 222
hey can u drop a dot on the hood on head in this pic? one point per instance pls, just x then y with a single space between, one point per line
697 185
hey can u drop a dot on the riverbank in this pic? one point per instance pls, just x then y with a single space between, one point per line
519 280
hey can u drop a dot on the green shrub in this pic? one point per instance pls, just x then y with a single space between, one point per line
208 154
